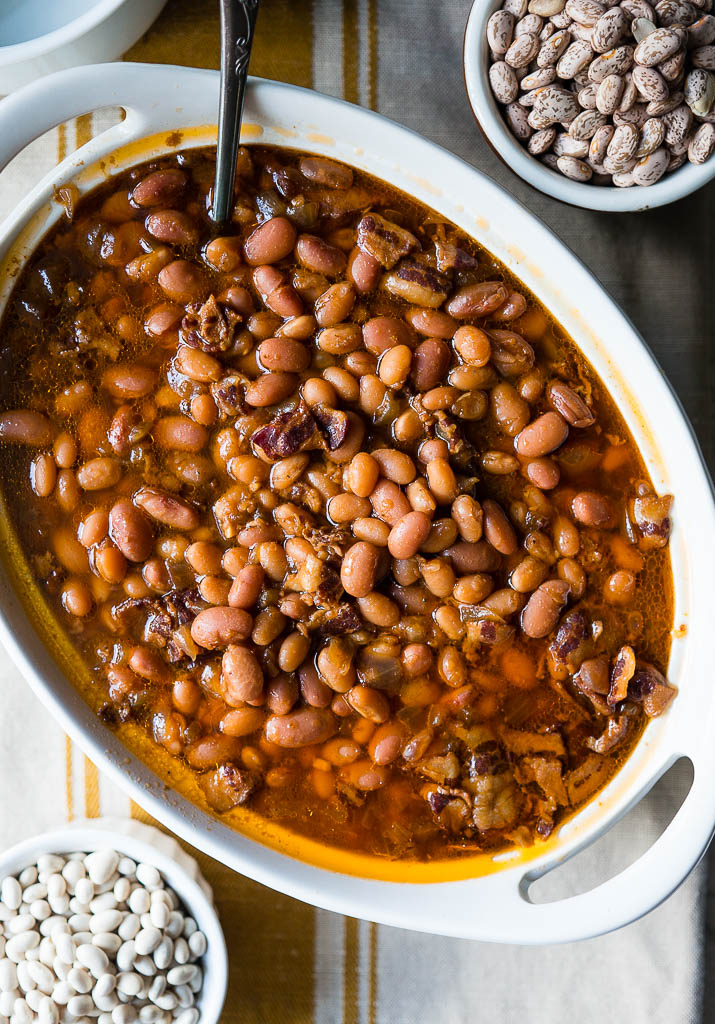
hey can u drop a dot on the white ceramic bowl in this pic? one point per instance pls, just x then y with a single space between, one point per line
38 37
682 182
180 871
494 906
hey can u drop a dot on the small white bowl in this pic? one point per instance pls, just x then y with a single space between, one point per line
73 32
682 182
179 870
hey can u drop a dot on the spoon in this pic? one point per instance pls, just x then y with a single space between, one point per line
238 23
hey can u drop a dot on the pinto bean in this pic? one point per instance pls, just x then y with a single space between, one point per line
271 241
592 509
270 388
167 508
545 434
325 172
241 674
98 474
363 271
442 481
335 304
130 530
359 569
179 433
197 365
510 410
339 340
467 514
386 742
159 187
283 354
497 529
369 703
224 253
473 345
475 300
25 426
301 728
43 475
542 610
215 628
129 380
384 332
543 473
429 363
317 255
389 503
172 227
313 690
468 558
182 281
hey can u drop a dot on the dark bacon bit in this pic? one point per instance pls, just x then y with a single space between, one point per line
287 434
451 807
650 688
337 621
228 786
418 283
333 424
210 326
483 625
567 649
228 394
496 801
383 240
623 669
451 257
447 429
651 516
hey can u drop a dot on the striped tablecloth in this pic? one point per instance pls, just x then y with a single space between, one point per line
289 962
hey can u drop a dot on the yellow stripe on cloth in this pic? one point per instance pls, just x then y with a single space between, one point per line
188 32
91 790
69 788
350 51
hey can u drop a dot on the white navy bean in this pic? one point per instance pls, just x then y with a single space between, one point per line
47 1011
50 863
126 866
181 951
36 891
80 979
190 1016
48 951
129 927
129 983
108 941
42 976
7 1001
126 955
40 910
124 1015
59 904
122 888
147 940
145 965
175 925
62 993
148 875
11 892
84 890
101 865
18 945
8 975
198 943
139 901
164 953
72 872
24 979
79 922
28 876
21 923
56 886
184 995
106 921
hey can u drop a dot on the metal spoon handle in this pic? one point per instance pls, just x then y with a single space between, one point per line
238 23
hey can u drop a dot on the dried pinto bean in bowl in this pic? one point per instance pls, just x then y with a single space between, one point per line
329 503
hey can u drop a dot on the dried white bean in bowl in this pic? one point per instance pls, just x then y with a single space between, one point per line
96 937
606 92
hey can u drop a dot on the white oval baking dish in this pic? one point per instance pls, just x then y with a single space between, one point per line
495 906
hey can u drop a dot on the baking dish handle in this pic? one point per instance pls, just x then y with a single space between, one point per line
625 897
50 101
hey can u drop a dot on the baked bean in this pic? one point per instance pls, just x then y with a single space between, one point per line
25 426
379 610
473 589
98 474
246 587
620 587
270 388
312 688
204 412
204 558
67 490
325 172
504 602
420 497
451 667
369 703
93 528
440 398
382 333
167 509
389 503
359 363
43 475
386 742
472 405
395 365
441 536
439 576
215 628
339 340
214 589
372 530
263 325
273 559
431 322
570 405
298 328
542 610
499 463
69 552
468 558
372 394
288 471
546 433
302 728
319 392
592 509
430 361
271 241
281 694
129 381
179 433
65 450
242 721
434 448
172 227
267 626
510 409
77 598
568 569
359 569
293 651
224 253
241 674
497 529
473 345
476 300
543 473
467 514
317 255
528 574
197 365
395 465
442 481
343 382
566 538
182 281
159 187
363 271
408 534
344 508
109 562
335 304
335 664
363 474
